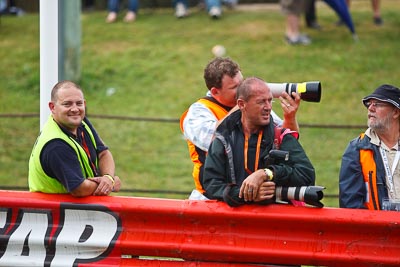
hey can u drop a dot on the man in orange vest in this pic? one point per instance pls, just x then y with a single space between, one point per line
222 77
370 174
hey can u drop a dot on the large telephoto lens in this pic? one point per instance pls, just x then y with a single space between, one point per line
311 195
309 91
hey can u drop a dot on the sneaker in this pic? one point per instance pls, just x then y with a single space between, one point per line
16 11
215 12
130 16
301 39
180 10
378 21
112 17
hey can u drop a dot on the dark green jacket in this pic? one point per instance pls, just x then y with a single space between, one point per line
224 170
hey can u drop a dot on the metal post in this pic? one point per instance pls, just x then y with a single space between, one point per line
70 40
48 54
60 42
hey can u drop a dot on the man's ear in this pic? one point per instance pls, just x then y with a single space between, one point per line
241 103
51 106
397 113
214 91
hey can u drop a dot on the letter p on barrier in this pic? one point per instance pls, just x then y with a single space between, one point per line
85 236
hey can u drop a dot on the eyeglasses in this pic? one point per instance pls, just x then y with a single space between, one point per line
376 104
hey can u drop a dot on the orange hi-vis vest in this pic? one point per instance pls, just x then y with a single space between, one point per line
368 167
196 154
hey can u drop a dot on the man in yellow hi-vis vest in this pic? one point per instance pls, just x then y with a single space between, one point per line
69 156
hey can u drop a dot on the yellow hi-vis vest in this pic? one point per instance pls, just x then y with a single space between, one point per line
38 180
219 112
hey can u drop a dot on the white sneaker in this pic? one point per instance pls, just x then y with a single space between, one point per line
111 17
215 12
130 16
180 11
301 39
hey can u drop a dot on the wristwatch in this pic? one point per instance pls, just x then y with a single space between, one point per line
269 174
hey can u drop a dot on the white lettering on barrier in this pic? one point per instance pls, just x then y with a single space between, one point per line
3 219
85 233
100 228
26 243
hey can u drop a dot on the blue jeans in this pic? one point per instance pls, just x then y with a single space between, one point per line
184 2
114 5
209 3
213 3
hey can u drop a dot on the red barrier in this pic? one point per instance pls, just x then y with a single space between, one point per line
59 230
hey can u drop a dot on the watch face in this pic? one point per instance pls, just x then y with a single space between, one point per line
269 174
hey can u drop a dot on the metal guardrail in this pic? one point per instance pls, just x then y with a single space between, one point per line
61 230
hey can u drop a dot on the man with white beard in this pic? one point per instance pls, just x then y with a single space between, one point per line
370 173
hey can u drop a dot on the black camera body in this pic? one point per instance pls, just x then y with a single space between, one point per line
311 195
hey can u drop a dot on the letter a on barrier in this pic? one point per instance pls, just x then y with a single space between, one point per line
26 243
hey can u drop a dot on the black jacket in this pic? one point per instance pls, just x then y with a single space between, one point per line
224 170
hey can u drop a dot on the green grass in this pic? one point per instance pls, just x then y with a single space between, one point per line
156 66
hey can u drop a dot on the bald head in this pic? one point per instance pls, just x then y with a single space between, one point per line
63 85
247 88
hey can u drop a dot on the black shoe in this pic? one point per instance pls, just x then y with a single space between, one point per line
314 26
378 21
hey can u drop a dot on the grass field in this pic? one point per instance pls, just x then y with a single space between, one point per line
155 66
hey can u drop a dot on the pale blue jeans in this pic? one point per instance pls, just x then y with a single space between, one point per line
114 5
209 3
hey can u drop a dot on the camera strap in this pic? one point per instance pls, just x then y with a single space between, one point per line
280 133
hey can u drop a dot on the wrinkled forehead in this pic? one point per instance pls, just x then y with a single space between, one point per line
260 92
69 93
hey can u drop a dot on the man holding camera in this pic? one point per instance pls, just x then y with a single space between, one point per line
222 77
236 169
